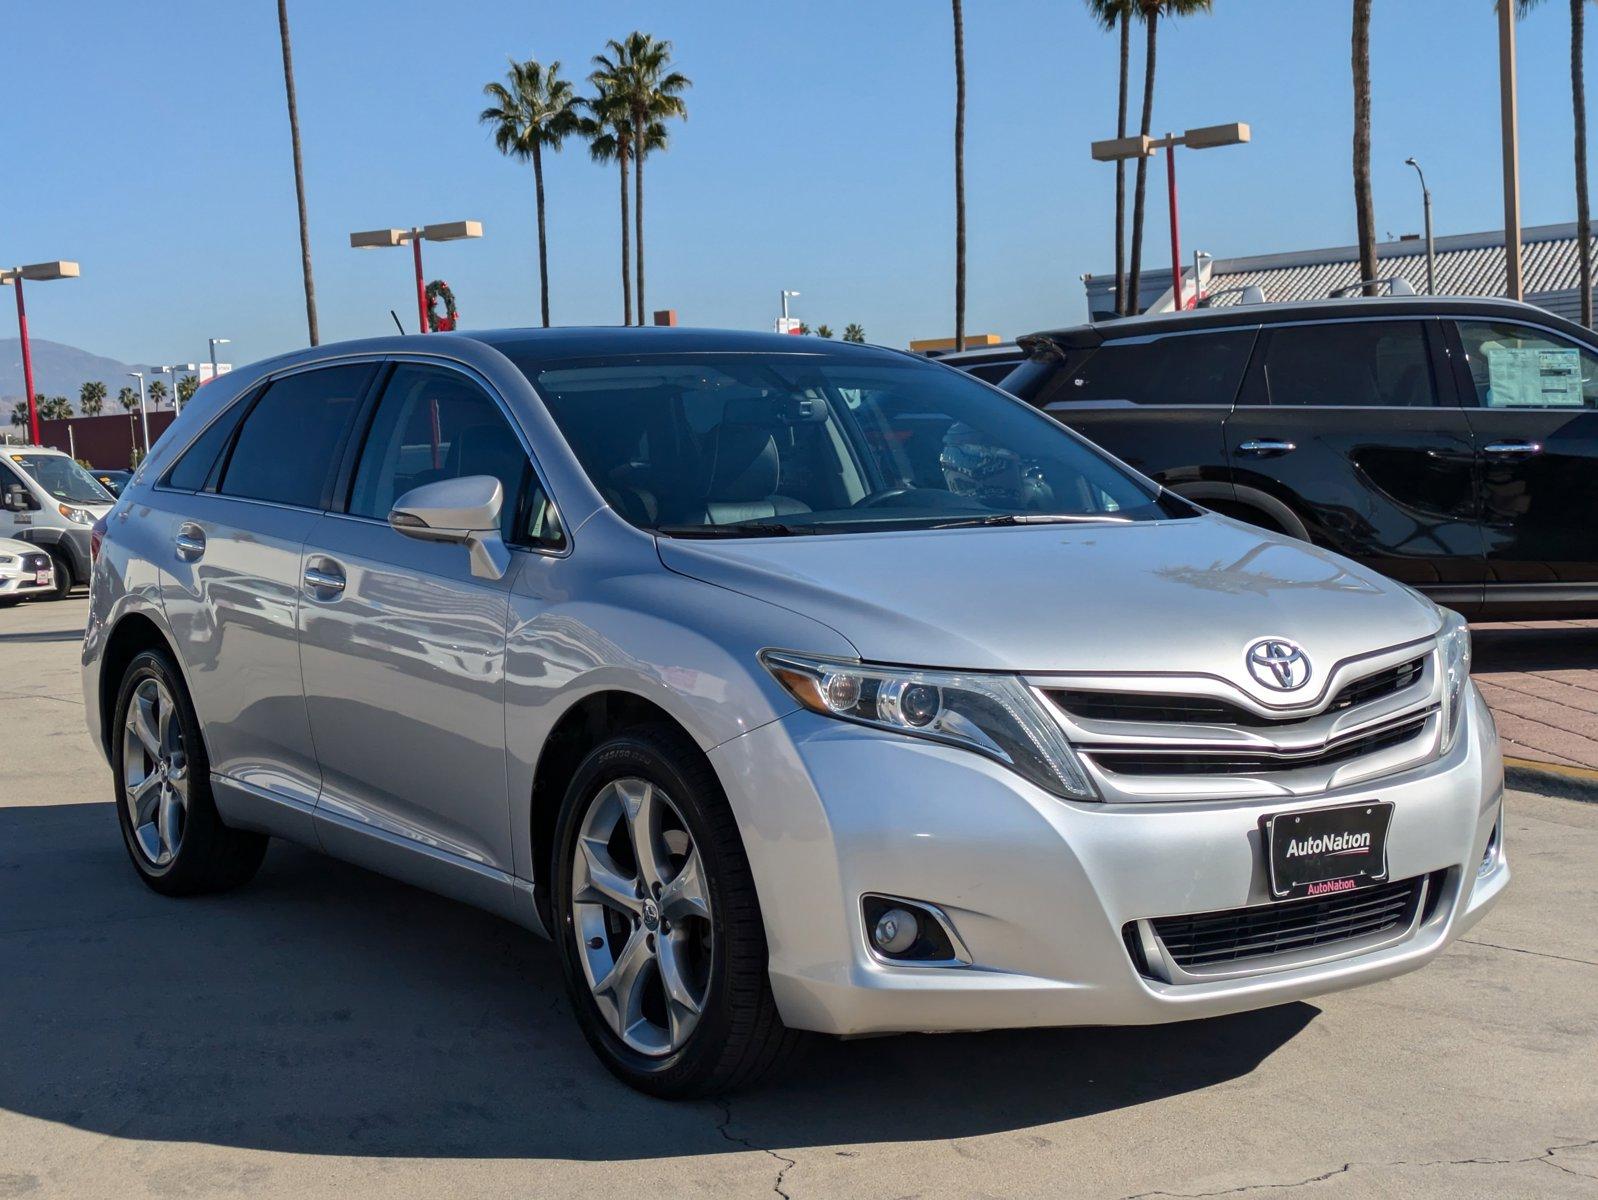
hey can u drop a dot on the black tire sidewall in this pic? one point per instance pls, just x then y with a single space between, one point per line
201 822
641 756
63 574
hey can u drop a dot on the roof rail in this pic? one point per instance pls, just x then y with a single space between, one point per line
1396 285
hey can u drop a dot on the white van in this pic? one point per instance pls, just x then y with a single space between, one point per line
48 499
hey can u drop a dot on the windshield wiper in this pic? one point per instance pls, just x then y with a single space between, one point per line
735 529
1032 519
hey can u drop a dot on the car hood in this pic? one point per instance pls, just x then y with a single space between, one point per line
1181 596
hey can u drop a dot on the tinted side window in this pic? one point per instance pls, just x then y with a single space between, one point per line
291 437
194 465
434 424
1514 366
1351 364
1195 368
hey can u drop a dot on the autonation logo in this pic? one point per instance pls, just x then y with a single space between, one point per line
1331 843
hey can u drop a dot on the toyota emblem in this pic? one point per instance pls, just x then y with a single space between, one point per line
1278 664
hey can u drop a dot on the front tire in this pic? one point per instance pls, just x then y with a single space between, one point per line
659 927
63 576
170 825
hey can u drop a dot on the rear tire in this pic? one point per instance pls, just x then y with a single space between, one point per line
680 919
170 825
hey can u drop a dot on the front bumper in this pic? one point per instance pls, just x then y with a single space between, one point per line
1040 889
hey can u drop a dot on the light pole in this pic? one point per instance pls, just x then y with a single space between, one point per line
448 231
785 295
144 414
1205 137
215 342
171 372
1509 121
1431 246
60 269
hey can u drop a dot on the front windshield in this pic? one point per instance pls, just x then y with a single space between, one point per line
758 444
63 478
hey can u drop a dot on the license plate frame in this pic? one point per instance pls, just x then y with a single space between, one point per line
1324 851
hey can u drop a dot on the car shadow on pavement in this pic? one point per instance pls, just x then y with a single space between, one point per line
326 1010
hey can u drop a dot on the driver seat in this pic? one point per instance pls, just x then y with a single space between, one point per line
745 472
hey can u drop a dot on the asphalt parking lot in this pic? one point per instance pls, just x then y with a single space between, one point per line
325 1032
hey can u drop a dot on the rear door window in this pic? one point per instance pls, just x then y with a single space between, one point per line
1350 364
291 438
1182 369
1515 366
196 465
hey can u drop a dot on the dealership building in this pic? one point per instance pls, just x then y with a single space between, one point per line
1467 264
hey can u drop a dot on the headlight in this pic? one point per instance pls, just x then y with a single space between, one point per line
80 516
1454 642
995 715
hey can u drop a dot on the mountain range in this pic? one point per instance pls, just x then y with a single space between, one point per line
58 370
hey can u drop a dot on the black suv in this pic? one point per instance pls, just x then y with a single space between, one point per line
1450 444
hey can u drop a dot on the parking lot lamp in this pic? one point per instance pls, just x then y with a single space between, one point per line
171 372
59 269
144 414
447 231
215 342
1206 137
1431 246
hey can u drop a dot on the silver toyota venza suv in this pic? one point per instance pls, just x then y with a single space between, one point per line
786 685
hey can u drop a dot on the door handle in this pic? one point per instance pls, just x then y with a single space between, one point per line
326 578
1266 447
190 542
1516 449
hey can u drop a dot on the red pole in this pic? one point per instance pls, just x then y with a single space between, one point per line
27 361
421 288
1176 234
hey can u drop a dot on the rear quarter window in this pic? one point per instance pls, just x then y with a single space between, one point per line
1180 369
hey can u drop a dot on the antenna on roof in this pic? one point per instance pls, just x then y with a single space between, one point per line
397 324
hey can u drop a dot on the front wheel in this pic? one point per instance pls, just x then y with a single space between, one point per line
62 576
659 927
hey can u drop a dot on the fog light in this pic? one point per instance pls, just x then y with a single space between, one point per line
896 931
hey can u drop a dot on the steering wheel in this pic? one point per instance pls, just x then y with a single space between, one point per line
881 498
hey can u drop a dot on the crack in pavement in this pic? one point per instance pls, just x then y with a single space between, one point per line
722 1127
1534 953
1545 1157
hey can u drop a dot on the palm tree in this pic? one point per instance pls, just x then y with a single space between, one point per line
854 333
824 331
157 393
1117 15
959 177
1364 206
54 408
536 110
299 171
1578 106
128 398
187 386
91 398
19 413
1151 11
610 136
635 70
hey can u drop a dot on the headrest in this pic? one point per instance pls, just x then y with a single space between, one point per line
743 464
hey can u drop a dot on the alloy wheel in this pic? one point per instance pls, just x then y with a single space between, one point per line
155 773
641 914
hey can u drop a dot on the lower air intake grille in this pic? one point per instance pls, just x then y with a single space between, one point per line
1267 929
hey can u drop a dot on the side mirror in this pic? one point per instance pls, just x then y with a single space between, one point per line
18 500
464 510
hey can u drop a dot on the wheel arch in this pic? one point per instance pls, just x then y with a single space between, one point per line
133 634
1243 503
586 723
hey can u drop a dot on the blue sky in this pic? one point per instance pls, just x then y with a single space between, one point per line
150 142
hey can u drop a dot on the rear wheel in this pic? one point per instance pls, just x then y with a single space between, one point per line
659 927
169 821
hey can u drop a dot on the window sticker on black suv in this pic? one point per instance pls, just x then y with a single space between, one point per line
1515 366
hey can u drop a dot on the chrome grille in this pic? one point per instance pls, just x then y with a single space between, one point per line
1198 737
1220 762
1130 706
1269 930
